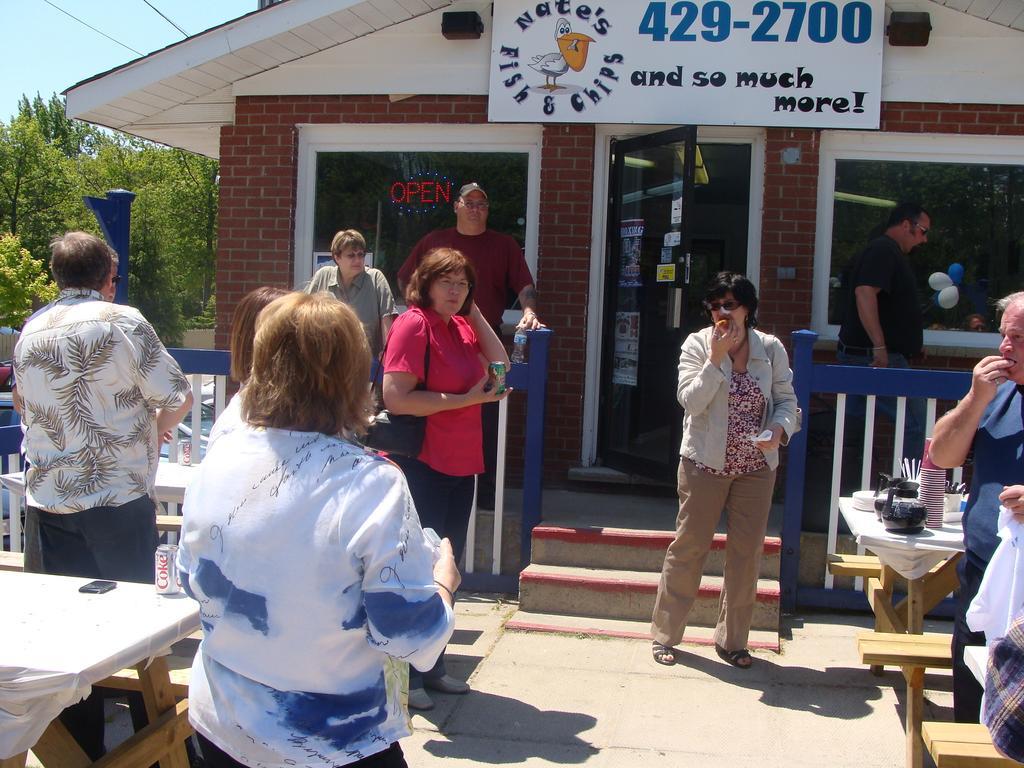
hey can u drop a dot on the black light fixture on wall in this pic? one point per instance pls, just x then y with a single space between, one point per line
910 28
461 25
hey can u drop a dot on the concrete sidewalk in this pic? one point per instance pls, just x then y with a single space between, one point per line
541 699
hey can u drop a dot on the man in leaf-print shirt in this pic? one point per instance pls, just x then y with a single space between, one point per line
97 388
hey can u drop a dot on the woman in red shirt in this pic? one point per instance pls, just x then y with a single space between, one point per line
448 390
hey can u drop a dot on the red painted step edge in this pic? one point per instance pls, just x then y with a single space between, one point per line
531 626
625 538
764 594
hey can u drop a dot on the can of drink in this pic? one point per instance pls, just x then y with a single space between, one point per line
497 370
186 452
166 576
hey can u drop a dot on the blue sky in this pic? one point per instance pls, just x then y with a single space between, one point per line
47 51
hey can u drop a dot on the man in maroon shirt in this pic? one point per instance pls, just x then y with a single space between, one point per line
500 266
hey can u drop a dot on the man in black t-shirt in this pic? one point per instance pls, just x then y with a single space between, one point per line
882 325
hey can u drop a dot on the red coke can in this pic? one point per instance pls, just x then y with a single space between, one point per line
166 574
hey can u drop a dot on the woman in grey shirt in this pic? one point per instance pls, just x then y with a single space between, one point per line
363 288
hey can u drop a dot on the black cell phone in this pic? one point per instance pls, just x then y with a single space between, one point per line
97 587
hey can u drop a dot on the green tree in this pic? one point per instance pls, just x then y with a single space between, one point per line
23 282
71 137
37 185
48 163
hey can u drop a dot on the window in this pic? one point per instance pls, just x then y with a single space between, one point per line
394 198
974 190
395 183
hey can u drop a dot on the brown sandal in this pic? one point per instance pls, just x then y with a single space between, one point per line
740 658
664 654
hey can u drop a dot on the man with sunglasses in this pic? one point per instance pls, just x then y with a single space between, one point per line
882 326
500 268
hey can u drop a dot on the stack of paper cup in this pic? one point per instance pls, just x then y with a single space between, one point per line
932 489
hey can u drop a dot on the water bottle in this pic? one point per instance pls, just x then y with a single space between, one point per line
519 346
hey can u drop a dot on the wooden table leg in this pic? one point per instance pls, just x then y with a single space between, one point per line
879 593
57 748
915 606
159 698
915 714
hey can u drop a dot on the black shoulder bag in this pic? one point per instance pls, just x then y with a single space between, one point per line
401 434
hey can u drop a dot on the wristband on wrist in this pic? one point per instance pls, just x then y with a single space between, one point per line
877 348
442 586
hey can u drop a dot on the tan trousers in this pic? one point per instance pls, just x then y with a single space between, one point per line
746 500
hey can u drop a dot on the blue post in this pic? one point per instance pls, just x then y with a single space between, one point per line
533 375
115 216
796 464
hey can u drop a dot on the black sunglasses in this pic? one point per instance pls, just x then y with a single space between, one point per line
714 306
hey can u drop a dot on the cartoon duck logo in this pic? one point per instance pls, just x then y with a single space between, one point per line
572 54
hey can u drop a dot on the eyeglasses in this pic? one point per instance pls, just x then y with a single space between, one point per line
453 285
715 306
924 230
483 205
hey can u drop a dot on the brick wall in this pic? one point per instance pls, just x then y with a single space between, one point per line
787 229
567 179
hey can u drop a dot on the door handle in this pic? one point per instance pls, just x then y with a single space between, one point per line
673 318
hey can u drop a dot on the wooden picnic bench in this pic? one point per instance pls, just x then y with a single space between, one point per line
913 654
962 745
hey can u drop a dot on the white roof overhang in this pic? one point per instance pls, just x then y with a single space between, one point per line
181 95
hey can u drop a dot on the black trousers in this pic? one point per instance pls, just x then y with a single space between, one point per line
100 543
115 543
967 691
444 503
214 757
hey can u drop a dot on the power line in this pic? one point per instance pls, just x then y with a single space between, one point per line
90 26
183 32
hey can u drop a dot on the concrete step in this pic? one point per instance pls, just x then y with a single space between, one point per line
622 594
527 621
635 550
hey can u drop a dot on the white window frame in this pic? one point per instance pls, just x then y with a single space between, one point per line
376 137
941 148
603 136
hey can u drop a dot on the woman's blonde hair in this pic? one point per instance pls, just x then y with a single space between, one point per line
347 238
243 328
310 367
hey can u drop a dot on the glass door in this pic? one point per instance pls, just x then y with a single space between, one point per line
648 306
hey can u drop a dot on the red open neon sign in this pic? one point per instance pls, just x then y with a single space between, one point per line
421 192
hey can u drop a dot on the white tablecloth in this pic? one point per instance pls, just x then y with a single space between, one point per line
56 642
172 480
911 555
976 660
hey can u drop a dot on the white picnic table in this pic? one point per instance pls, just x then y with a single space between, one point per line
57 642
913 556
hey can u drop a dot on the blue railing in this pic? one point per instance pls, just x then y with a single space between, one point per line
810 378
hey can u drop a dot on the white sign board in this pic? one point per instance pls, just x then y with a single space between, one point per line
787 63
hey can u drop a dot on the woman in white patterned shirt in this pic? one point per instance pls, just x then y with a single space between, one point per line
314 578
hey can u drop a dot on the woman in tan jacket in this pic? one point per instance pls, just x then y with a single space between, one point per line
736 389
